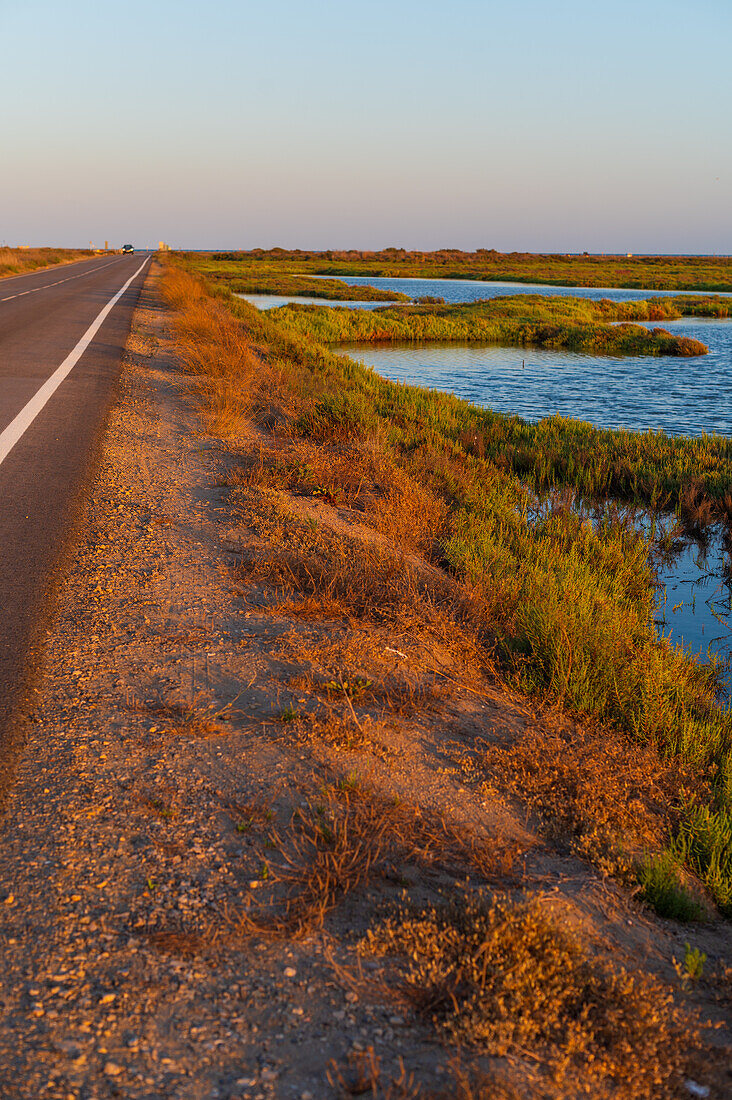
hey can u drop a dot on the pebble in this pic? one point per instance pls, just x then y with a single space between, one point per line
111 1069
290 972
352 998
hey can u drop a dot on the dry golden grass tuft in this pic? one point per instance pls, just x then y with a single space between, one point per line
349 836
361 1075
225 370
608 797
186 943
332 574
179 719
504 980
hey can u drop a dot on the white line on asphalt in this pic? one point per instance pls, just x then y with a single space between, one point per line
35 289
15 429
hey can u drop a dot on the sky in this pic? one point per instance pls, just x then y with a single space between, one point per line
528 125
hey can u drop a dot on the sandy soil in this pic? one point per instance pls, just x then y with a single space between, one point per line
160 770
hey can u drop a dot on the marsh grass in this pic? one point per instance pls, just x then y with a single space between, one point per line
651 272
245 280
576 324
664 889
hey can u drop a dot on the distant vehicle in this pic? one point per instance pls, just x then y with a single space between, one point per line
127 248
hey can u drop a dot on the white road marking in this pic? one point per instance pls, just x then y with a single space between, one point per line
15 429
35 289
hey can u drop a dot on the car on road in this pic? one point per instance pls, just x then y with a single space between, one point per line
127 248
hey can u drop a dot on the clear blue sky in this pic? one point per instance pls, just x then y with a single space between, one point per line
520 124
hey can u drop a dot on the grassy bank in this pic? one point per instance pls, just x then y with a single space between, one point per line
19 261
713 273
245 279
574 324
565 609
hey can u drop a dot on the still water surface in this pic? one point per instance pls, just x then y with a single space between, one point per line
473 290
678 396
273 301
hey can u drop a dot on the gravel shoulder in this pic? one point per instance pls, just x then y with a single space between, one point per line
161 767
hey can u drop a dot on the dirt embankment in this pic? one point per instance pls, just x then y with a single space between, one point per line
227 789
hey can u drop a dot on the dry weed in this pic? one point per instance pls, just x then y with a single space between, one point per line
505 980
361 1075
179 719
606 795
184 942
225 370
315 572
352 835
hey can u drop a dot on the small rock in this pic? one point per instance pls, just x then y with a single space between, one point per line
290 972
268 1074
352 998
111 1069
107 998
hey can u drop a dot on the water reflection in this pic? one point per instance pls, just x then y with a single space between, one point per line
273 301
693 574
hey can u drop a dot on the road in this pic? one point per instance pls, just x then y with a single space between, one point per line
62 334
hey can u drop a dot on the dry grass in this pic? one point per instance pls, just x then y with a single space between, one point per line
19 261
350 836
362 477
178 719
315 572
362 1075
608 797
505 980
186 943
225 370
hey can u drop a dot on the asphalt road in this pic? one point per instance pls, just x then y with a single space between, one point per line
60 356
